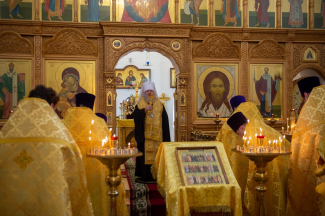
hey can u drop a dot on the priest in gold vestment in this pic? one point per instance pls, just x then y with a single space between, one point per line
308 151
79 121
275 196
151 129
41 170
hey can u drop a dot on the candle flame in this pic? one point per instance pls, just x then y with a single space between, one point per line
106 138
261 130
248 120
250 138
92 122
89 138
282 127
248 142
244 132
276 142
114 135
269 141
110 129
284 136
90 132
255 135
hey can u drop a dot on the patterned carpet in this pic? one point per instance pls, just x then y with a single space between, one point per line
145 199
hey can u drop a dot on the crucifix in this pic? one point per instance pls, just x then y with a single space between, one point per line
163 99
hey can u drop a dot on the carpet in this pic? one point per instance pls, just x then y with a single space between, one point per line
145 200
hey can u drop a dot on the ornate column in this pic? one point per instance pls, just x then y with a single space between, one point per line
245 70
311 14
278 14
75 11
38 60
36 18
211 13
245 3
111 87
113 10
176 11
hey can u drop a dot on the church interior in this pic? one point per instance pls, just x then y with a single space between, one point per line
210 107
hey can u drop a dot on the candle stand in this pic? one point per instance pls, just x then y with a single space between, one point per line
113 162
260 175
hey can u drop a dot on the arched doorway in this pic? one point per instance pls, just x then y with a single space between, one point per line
159 71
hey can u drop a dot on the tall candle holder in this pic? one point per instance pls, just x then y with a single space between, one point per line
260 175
217 121
113 180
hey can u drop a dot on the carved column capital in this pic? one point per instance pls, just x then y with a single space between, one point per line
110 79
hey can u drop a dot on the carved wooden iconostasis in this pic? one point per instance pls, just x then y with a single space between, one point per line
92 50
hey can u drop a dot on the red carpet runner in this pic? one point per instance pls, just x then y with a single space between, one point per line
145 200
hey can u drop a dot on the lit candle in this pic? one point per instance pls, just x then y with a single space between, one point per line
276 144
261 131
288 125
269 143
217 115
282 129
247 144
129 145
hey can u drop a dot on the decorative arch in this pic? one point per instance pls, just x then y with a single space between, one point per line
320 70
139 44
70 41
180 58
267 49
316 67
216 46
13 43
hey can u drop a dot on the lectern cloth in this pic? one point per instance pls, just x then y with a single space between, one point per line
41 171
78 121
180 200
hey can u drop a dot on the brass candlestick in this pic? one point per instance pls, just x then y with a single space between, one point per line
260 175
217 121
113 180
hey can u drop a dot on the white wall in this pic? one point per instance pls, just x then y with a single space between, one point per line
307 73
160 75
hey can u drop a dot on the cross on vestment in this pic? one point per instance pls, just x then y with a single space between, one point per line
163 99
